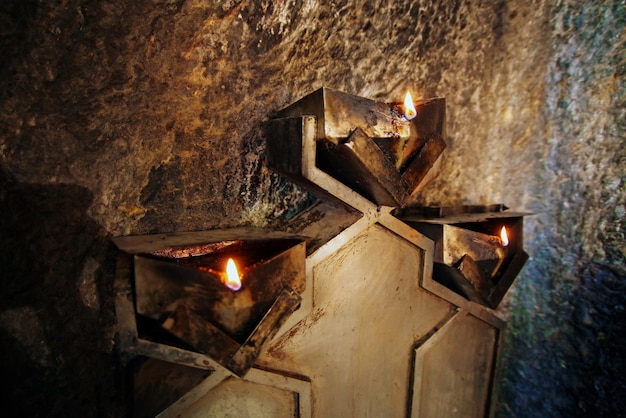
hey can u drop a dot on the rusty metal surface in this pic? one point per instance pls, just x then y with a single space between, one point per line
367 145
284 152
124 302
347 297
414 155
177 355
243 398
419 166
287 302
162 284
456 214
265 394
368 309
454 279
339 114
287 266
196 250
145 244
508 277
178 292
291 151
157 384
130 340
208 339
447 211
201 334
321 222
453 370
475 275
469 258
458 242
354 293
360 164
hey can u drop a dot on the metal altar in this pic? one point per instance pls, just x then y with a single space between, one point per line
377 331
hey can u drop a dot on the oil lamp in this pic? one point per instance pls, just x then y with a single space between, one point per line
478 248
383 151
186 292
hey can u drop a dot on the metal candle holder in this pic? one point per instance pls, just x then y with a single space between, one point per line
367 145
172 305
469 257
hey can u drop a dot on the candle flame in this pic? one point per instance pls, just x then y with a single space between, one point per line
409 107
504 237
232 280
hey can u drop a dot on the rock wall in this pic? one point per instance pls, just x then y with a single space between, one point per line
565 349
138 117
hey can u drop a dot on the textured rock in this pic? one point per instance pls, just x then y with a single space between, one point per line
572 362
155 107
145 116
561 359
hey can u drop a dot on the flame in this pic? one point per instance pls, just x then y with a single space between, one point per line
504 237
232 280
409 107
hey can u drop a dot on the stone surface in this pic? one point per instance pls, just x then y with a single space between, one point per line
145 116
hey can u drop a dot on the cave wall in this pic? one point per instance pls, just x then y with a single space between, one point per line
140 117
565 348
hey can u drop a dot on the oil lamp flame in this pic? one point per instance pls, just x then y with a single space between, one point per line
409 107
504 237
232 280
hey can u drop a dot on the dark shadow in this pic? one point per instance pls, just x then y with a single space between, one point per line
57 318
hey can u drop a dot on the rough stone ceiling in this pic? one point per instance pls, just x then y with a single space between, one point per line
155 107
